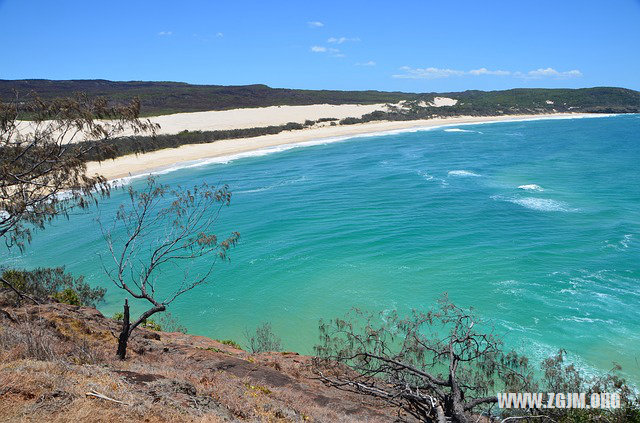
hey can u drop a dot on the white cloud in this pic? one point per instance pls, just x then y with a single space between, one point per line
550 73
162 33
332 51
485 71
434 73
315 24
340 40
369 63
427 73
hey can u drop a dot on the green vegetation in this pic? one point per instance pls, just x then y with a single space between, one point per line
46 284
68 296
263 339
471 103
189 218
446 364
510 102
159 98
151 325
168 323
230 343
170 97
112 148
147 323
40 176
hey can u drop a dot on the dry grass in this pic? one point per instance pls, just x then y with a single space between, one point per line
52 355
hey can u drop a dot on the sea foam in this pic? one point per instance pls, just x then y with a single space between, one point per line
461 130
463 173
531 187
539 204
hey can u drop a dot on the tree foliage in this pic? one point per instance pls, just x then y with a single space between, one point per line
45 284
186 219
263 339
174 97
445 364
42 161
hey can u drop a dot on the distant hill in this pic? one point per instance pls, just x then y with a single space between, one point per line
173 97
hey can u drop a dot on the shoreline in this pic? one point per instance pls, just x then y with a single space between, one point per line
222 151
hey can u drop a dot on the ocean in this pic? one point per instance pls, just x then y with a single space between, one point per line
534 224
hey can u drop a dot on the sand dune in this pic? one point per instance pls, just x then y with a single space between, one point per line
256 117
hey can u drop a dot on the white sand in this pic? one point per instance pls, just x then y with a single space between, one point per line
238 118
132 165
443 101
257 117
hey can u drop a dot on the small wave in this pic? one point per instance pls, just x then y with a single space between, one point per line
270 187
510 282
621 245
539 204
323 141
462 173
585 320
461 130
428 177
531 187
425 175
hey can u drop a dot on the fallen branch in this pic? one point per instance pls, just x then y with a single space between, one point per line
104 397
14 289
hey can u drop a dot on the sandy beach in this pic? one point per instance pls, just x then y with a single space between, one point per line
132 165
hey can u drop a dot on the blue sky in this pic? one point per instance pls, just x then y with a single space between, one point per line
412 46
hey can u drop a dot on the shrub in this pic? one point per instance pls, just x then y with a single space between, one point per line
230 343
44 284
67 296
403 361
263 339
151 324
171 324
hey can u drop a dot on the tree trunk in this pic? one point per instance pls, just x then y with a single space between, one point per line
123 339
457 404
440 412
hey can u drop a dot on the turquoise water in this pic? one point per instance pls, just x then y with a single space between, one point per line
392 222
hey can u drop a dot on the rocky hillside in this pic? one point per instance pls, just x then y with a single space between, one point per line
57 363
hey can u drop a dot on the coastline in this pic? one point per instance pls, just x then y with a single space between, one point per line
162 161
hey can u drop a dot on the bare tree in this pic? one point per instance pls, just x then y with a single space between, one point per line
184 218
434 365
42 159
